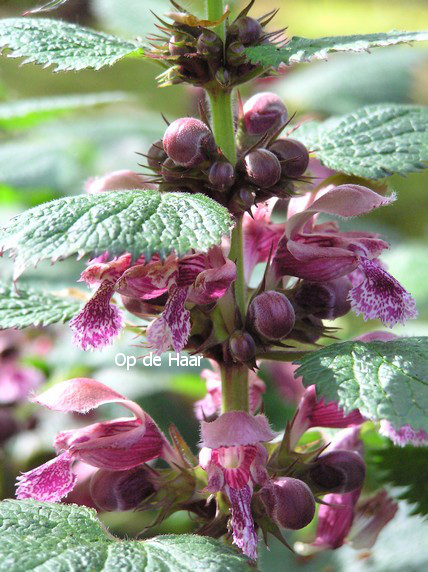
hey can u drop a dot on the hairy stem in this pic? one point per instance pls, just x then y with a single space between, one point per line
234 377
234 387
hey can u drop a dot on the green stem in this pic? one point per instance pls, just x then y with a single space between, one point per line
234 387
236 254
215 10
222 121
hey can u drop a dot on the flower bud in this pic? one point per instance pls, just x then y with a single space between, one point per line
339 471
271 315
289 502
264 112
120 490
235 54
170 172
242 347
221 175
327 300
188 142
246 30
293 155
263 168
177 45
242 200
209 44
156 155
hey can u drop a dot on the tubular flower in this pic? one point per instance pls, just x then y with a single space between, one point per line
115 445
312 412
210 405
234 459
336 515
321 253
196 278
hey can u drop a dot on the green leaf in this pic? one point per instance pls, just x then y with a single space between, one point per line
405 467
45 536
28 112
28 307
119 221
64 45
384 380
300 50
371 142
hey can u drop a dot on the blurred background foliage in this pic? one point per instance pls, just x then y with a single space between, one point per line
99 124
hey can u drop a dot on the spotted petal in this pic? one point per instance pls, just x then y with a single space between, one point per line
243 531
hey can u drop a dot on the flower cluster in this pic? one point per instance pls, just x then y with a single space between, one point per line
188 159
193 53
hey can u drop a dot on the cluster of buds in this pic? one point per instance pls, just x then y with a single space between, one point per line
191 52
188 159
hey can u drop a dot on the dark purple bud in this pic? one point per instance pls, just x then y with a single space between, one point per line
246 30
242 200
264 112
263 168
338 471
235 54
326 300
289 502
156 155
271 315
293 155
188 142
120 490
221 175
209 44
177 45
242 347
307 329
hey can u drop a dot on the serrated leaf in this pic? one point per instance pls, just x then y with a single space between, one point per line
384 380
28 112
300 50
372 142
28 307
405 467
120 221
64 45
45 536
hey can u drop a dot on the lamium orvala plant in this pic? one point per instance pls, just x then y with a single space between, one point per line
234 245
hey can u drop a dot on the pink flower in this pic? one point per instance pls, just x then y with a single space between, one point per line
312 412
196 279
17 381
116 445
117 180
405 435
320 253
210 405
234 459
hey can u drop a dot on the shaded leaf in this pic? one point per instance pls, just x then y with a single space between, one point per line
384 380
29 307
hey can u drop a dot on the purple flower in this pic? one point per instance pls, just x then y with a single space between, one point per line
234 460
371 516
321 253
312 412
116 445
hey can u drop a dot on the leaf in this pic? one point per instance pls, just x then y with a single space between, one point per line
45 536
384 380
300 50
371 142
29 307
405 467
28 112
120 221
64 45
